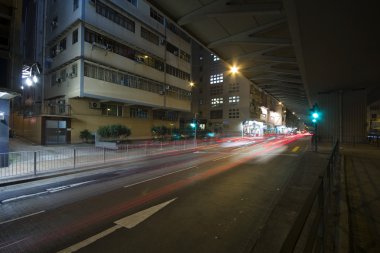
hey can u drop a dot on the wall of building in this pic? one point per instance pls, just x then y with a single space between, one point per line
28 127
343 115
84 117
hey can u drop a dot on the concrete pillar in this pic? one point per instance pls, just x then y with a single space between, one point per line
4 132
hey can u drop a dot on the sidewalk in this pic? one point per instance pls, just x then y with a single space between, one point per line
293 197
360 182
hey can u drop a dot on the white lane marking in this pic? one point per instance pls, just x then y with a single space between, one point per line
61 188
127 222
22 217
5 246
164 175
50 190
23 197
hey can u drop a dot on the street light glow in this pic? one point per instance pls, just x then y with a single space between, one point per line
35 79
29 81
234 69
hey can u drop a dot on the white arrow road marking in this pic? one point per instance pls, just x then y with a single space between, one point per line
126 222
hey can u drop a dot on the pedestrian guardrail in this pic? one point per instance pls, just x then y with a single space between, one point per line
32 163
308 233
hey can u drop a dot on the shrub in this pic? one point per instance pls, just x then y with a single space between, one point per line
114 131
85 135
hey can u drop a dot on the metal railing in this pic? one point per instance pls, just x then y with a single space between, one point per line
314 213
32 163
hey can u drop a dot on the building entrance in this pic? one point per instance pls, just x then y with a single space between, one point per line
56 131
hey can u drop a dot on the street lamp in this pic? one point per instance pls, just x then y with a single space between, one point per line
30 74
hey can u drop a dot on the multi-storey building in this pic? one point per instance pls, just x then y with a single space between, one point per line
228 103
110 62
10 66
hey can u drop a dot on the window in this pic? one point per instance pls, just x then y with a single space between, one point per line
233 113
53 79
134 2
149 36
136 112
111 110
115 17
177 72
62 45
74 70
75 36
132 81
172 49
184 56
216 89
216 114
54 23
75 4
214 57
176 30
233 87
234 99
63 75
217 78
157 16
121 49
216 101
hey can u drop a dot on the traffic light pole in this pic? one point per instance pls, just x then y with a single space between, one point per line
316 137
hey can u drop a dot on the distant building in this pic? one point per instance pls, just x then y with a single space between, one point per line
230 104
374 118
108 62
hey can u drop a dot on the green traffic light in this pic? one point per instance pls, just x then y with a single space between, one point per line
192 125
315 115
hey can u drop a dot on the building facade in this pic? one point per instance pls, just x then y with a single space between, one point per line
228 103
10 66
109 62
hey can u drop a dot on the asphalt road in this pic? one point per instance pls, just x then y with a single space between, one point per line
213 199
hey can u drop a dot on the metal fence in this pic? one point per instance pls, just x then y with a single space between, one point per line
314 213
29 163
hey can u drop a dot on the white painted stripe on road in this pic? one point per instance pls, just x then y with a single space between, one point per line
127 222
164 175
10 244
22 217
61 188
23 197
50 190
90 240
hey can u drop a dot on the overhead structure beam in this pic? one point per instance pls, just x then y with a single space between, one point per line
277 78
257 54
278 59
249 36
226 7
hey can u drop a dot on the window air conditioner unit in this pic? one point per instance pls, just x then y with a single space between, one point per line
94 105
